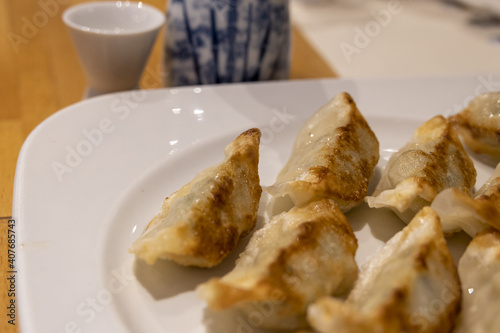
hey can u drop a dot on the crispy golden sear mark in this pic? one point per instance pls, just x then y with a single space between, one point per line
333 157
297 257
399 287
202 223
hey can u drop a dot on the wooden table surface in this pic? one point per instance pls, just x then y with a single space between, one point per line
40 74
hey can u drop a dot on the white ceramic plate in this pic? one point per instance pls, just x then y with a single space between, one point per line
91 177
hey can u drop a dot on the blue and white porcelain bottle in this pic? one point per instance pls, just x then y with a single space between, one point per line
223 41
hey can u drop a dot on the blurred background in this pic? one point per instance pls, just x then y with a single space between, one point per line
401 38
41 74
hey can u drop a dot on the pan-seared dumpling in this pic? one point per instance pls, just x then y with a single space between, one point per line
202 223
433 160
458 210
297 257
410 285
479 271
333 156
479 124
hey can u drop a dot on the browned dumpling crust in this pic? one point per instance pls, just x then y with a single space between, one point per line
200 224
479 124
333 157
410 285
297 257
433 160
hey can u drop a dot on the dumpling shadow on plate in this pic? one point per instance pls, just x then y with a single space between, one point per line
457 245
166 279
483 158
383 223
361 215
376 175
233 320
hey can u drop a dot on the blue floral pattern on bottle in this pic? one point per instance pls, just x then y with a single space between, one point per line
223 41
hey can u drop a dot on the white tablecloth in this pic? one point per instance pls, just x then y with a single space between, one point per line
375 38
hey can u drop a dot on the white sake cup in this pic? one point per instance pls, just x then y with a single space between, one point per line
113 41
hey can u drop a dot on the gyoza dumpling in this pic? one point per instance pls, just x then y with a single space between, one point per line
297 257
433 160
479 124
333 157
202 223
458 210
411 285
479 271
